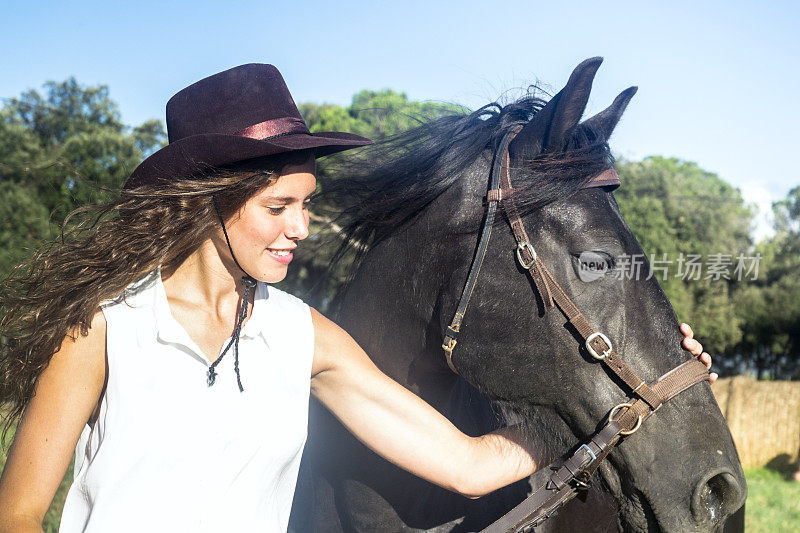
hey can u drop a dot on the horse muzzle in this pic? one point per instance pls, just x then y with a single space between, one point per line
718 495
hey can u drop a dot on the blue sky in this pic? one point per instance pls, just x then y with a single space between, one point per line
718 81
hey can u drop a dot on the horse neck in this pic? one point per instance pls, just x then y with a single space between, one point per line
391 309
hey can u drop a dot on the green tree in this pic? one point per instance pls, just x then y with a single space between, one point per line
59 150
374 114
676 210
770 307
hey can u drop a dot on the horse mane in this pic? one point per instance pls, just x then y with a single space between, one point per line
385 186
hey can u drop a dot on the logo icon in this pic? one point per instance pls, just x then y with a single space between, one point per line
592 266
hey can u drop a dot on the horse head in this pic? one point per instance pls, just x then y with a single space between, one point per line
417 209
680 472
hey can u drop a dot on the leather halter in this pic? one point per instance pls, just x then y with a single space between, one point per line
570 475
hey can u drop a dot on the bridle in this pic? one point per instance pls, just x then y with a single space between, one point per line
570 475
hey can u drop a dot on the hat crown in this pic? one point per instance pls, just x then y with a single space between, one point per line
230 101
242 113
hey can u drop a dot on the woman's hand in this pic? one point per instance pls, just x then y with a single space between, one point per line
691 344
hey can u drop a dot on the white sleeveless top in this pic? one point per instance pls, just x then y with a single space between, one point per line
170 453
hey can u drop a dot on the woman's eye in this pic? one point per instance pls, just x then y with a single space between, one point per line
276 210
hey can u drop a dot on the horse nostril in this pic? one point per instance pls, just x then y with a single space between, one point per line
716 498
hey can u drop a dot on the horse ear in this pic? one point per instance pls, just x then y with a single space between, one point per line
549 127
606 120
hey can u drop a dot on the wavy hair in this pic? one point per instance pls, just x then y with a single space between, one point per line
101 250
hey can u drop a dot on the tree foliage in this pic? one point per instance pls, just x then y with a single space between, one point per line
61 149
770 309
373 114
677 210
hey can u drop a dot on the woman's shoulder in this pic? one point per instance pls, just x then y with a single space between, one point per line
278 297
138 293
85 351
283 314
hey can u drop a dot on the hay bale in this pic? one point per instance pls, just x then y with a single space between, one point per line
764 418
720 388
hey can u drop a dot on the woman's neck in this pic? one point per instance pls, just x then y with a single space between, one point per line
205 280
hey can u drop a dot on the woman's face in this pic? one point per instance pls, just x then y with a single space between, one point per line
266 230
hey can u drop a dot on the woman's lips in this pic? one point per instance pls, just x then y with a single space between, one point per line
281 256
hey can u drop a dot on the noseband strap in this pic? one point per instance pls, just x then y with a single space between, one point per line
571 475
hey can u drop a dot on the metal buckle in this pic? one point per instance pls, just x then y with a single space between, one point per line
448 345
582 484
589 452
592 351
526 246
625 431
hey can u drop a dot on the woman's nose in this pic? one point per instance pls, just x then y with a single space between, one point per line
297 225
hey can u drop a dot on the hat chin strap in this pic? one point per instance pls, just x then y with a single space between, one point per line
227 240
249 283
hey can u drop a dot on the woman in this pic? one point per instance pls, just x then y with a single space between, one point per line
152 340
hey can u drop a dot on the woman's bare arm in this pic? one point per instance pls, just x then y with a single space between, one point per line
67 393
404 429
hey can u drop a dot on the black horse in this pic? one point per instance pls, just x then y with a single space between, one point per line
414 222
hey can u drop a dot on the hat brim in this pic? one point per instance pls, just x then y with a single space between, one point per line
198 153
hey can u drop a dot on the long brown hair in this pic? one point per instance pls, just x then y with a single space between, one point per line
101 250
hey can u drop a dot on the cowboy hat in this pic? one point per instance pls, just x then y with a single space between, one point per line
238 114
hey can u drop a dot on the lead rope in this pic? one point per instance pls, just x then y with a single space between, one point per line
249 283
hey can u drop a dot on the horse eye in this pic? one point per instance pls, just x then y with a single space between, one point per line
593 265
594 261
605 262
